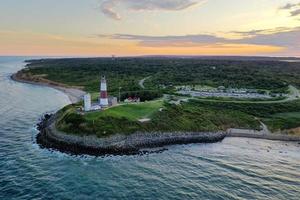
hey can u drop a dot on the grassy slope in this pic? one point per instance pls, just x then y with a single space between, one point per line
277 116
280 121
129 111
192 116
123 119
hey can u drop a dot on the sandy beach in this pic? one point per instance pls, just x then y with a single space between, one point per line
74 94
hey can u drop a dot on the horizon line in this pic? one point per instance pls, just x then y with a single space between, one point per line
150 55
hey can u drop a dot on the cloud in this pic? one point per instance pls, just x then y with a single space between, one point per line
248 33
293 9
286 38
108 7
157 41
161 5
295 12
256 32
289 6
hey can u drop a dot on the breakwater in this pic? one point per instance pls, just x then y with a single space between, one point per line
119 144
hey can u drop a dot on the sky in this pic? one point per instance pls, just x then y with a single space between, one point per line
149 27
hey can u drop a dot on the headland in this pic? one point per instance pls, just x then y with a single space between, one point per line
149 117
117 144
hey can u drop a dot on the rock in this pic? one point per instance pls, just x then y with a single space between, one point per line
118 144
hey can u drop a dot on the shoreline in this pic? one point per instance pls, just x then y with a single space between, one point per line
78 145
118 144
74 94
272 136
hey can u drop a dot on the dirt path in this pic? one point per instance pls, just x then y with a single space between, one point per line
265 128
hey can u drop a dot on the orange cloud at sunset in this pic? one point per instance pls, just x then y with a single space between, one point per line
224 49
150 27
26 43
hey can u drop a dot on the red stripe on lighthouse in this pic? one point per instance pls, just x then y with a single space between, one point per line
103 95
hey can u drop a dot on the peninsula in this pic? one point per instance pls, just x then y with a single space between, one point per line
152 102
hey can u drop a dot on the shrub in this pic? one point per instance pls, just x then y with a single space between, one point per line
74 119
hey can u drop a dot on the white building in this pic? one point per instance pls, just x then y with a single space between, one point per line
87 102
112 101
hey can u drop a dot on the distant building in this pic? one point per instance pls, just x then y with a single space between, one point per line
96 107
87 102
112 101
132 100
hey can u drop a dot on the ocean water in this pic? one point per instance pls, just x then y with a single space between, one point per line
236 168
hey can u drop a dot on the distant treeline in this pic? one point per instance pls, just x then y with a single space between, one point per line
168 72
143 95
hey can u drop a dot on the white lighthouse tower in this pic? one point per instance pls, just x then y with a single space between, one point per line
103 93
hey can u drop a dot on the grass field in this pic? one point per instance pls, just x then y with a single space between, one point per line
129 111
192 116
189 116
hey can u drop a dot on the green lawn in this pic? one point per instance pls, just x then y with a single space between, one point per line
129 111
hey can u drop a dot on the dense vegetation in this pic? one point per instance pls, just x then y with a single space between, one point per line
283 121
172 118
256 109
194 115
278 116
126 72
144 95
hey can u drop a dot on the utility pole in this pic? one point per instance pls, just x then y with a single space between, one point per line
120 94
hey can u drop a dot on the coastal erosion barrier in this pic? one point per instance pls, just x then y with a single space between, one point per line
122 144
261 135
118 144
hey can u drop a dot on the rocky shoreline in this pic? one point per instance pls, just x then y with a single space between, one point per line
119 144
51 138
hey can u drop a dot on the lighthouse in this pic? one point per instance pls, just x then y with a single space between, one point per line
103 93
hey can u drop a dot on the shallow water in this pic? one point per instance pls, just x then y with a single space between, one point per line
233 169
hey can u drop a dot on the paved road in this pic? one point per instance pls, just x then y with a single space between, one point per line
141 82
295 94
